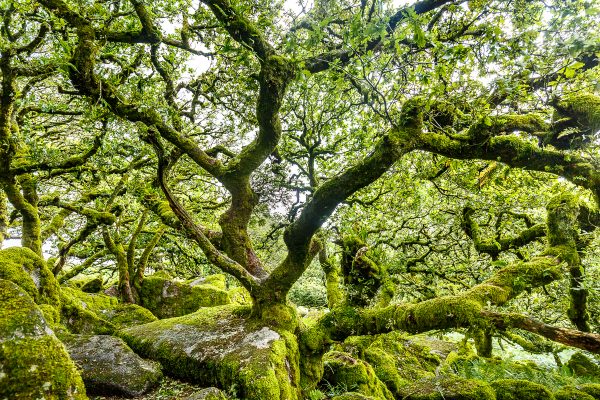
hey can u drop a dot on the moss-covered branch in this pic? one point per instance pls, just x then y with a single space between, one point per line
465 309
76 270
71 162
331 193
84 78
570 337
3 217
495 246
514 151
325 61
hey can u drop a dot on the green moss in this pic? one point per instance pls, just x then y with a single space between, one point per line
25 268
397 358
240 295
51 314
571 393
33 362
353 396
448 388
593 389
216 280
167 298
79 315
127 315
441 313
518 389
223 346
583 366
341 369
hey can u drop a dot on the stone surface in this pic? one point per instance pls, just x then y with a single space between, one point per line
211 393
109 366
34 364
222 347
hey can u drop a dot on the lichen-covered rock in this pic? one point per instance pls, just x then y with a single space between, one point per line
167 298
448 388
28 270
571 393
34 364
109 366
583 366
222 346
211 393
341 369
518 389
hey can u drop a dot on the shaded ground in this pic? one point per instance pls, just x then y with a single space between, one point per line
169 389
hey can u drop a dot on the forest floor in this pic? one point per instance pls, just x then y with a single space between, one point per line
169 389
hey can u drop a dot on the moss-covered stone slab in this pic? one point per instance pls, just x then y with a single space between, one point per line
448 388
571 393
97 313
25 268
167 298
222 347
109 366
518 389
343 370
34 364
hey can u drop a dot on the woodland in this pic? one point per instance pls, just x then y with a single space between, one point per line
328 199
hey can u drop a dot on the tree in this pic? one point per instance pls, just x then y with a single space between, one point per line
325 110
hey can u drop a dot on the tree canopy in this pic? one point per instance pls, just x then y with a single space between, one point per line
410 165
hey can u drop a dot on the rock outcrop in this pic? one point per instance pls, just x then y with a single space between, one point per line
222 347
109 366
34 364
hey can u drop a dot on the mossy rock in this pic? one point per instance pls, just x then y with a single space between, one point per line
78 312
216 280
519 389
341 369
97 313
109 366
397 358
93 285
593 389
353 396
583 366
168 298
28 270
34 364
240 295
448 388
221 347
127 315
571 393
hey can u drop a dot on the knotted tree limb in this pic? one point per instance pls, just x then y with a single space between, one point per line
468 309
495 246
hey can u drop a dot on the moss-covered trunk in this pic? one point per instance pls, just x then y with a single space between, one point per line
3 217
